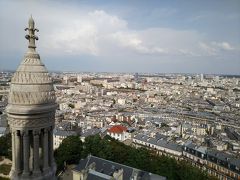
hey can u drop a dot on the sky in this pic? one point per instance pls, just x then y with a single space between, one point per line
177 36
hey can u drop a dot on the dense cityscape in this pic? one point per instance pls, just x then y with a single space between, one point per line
120 90
194 117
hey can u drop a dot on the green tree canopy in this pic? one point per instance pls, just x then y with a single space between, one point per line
6 146
69 151
116 151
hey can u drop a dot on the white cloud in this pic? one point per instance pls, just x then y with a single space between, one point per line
215 48
223 45
93 33
100 33
135 41
66 30
86 33
207 48
80 38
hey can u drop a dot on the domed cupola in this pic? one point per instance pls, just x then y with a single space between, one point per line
31 88
31 116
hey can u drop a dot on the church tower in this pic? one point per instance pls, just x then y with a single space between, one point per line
31 116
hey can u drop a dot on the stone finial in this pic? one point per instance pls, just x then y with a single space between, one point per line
31 37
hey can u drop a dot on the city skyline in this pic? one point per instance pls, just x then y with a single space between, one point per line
73 125
136 36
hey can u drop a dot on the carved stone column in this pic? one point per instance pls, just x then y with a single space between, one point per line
17 139
31 152
36 167
25 153
45 150
13 151
51 155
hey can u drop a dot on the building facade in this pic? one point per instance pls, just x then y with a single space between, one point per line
118 132
31 116
216 163
60 135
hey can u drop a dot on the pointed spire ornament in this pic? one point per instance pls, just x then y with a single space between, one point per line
31 37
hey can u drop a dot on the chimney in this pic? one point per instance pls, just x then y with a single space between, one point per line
92 166
118 174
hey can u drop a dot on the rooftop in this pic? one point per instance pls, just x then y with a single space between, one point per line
117 129
105 169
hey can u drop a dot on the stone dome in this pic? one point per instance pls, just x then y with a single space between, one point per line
31 89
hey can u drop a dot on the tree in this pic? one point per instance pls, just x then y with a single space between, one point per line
6 146
71 106
97 146
69 151
141 158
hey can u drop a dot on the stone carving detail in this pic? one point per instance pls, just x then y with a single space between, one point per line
31 97
31 123
32 56
31 78
29 61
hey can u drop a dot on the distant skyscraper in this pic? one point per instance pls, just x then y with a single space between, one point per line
201 77
65 79
31 112
79 78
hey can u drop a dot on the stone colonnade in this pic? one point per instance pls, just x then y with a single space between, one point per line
32 152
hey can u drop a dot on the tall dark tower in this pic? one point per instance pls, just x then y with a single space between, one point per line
31 116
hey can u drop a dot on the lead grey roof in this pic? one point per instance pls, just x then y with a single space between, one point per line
91 132
107 167
159 142
202 149
94 175
65 133
219 155
235 162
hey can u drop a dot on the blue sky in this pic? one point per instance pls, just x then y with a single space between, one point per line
181 36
